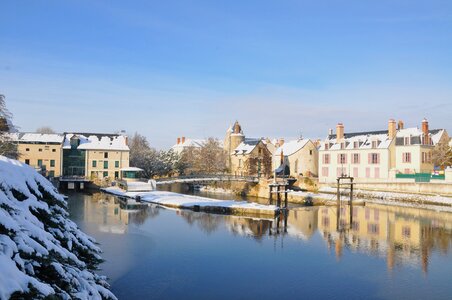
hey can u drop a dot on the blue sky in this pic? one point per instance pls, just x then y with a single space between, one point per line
173 68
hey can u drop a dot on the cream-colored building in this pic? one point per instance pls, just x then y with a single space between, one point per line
414 148
41 151
94 156
299 157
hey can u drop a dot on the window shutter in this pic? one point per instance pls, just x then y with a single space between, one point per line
338 158
369 158
359 158
378 158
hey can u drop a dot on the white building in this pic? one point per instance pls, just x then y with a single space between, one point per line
184 143
378 155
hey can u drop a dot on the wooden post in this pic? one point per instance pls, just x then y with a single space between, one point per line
271 195
338 203
285 197
278 197
351 202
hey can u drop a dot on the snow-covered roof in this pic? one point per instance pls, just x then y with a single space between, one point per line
359 140
93 141
197 143
246 147
51 138
291 147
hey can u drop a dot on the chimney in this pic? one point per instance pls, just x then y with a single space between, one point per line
425 131
183 139
126 139
392 128
282 157
339 131
178 140
400 125
281 142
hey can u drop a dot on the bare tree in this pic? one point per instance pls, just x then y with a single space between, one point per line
442 155
45 130
212 157
8 147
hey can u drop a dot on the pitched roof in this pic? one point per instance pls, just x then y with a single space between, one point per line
291 147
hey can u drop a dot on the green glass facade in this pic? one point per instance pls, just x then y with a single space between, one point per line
74 162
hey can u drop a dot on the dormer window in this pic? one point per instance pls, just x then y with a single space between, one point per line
355 145
406 140
374 144
327 146
342 146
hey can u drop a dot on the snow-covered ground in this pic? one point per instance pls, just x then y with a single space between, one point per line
186 201
42 252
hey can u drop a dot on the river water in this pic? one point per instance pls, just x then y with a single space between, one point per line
155 253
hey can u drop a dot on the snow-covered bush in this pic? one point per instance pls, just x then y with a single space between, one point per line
42 252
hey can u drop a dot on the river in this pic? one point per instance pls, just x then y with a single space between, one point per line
155 253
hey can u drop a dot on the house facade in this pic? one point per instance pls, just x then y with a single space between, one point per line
362 155
183 143
41 151
299 157
94 156
378 155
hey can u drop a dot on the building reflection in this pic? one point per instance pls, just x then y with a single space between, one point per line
112 215
402 235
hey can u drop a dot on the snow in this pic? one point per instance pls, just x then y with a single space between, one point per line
291 147
186 201
133 169
97 142
37 238
41 138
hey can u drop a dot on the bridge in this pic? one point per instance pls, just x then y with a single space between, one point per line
206 178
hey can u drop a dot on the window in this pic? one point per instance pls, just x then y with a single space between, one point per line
27 161
52 173
105 164
377 173
105 174
39 162
374 158
426 157
406 157
355 172
327 146
342 146
341 172
310 152
356 145
27 149
52 163
94 163
406 140
375 144
53 150
325 171
105 154
355 158
46 147
116 174
40 149
117 164
342 158
406 231
326 159
373 228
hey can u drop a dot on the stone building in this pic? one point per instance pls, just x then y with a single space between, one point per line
247 156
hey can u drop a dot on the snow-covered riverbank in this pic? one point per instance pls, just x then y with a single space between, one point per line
170 199
42 252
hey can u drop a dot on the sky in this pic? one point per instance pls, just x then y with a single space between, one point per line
167 69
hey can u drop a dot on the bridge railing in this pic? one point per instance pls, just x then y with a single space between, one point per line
219 177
